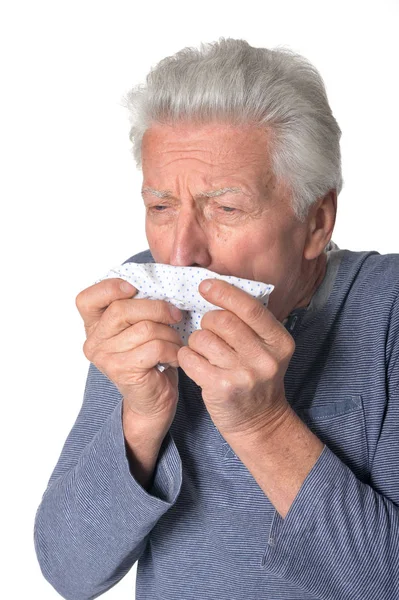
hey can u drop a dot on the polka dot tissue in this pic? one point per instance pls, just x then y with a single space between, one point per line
179 286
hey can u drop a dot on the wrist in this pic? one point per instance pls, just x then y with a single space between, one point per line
284 436
143 440
143 430
264 425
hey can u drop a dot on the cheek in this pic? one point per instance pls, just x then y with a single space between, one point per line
256 241
239 250
262 252
223 238
278 260
229 242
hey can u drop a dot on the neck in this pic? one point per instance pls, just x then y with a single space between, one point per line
313 277
314 281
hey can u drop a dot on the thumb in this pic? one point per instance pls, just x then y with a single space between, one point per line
94 300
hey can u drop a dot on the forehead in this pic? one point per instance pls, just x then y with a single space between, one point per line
215 144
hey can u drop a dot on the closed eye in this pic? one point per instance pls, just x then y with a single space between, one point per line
224 208
227 210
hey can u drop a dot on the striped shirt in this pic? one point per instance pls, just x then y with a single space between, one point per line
205 529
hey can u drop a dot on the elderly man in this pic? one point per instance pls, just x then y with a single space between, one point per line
263 463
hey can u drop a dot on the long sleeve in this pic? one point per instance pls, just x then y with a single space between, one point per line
94 518
340 538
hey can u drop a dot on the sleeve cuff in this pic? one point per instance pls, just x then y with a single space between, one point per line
286 535
167 479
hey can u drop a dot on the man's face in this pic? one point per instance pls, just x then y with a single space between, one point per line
250 231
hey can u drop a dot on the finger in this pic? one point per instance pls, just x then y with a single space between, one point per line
198 368
123 313
148 355
246 307
139 334
94 300
213 348
236 334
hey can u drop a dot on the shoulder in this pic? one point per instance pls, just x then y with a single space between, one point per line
366 305
372 275
141 257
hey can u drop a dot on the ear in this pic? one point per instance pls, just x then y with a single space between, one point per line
321 221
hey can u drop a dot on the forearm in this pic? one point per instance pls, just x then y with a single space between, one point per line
98 504
143 442
279 457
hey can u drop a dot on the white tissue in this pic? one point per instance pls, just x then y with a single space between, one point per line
179 286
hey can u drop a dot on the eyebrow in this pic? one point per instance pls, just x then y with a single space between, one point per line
207 194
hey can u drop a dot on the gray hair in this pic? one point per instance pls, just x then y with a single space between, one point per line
231 81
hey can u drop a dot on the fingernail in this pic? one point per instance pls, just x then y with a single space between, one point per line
175 312
205 286
126 287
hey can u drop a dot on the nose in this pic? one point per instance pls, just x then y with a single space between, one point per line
190 244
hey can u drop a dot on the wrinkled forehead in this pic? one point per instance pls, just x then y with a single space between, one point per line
218 140
217 151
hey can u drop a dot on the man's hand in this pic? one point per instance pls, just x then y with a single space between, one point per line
239 358
125 340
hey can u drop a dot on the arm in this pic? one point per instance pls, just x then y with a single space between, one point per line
279 457
94 518
333 534
339 537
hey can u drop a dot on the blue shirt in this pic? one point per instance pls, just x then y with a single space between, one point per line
205 529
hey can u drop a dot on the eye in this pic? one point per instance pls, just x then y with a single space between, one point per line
225 213
156 207
227 208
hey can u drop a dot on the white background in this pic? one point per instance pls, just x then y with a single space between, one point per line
70 191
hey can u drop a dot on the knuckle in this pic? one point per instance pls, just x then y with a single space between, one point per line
209 340
88 349
226 319
201 338
78 300
81 302
113 312
273 367
290 345
255 311
227 388
93 354
248 379
157 346
144 329
220 293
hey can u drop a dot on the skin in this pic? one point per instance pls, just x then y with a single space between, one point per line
260 240
240 356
